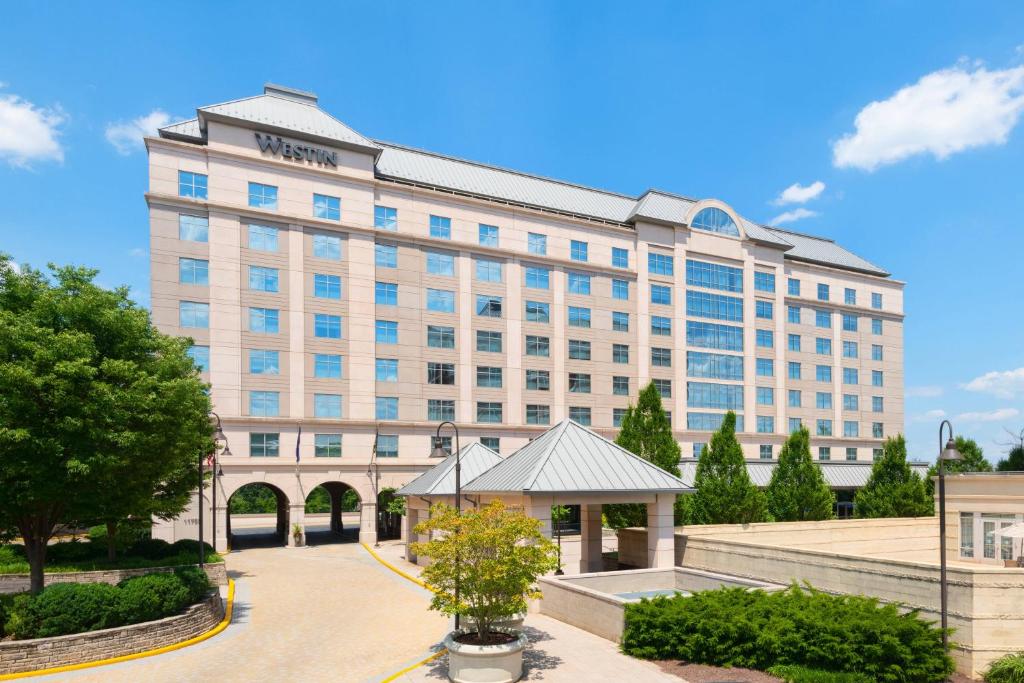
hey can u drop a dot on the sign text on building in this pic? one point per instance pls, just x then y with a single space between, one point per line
290 150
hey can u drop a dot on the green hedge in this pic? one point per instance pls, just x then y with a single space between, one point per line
1006 669
801 627
799 674
91 555
64 608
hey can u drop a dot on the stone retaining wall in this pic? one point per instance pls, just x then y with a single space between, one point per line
18 656
19 583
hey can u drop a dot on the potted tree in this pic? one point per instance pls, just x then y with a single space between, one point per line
297 534
484 564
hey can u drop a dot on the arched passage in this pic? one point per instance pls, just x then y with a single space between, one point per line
257 516
332 513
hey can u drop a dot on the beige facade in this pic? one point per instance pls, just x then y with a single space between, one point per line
977 505
384 265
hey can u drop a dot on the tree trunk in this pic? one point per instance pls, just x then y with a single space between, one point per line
111 541
35 550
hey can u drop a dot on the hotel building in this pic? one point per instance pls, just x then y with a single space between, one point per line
365 291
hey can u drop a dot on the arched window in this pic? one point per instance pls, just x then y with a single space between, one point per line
715 220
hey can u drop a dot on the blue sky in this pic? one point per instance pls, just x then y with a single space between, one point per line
908 115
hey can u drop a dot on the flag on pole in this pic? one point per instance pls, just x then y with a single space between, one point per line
298 442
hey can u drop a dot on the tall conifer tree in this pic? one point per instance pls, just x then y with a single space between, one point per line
725 494
893 489
798 491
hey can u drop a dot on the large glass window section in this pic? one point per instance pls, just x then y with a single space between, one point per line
487 411
538 414
718 396
191 185
327 366
264 362
441 227
714 336
440 337
538 346
620 321
329 247
538 312
620 289
327 405
440 300
262 279
578 283
715 306
578 250
385 293
439 263
660 264
327 207
387 408
386 370
538 380
264 445
193 271
441 373
714 365
661 295
714 276
488 270
579 316
488 306
765 310
327 445
386 332
708 422
385 218
579 349
620 257
327 326
263 237
764 282
714 219
264 403
488 377
262 196
264 320
488 341
661 326
387 446
537 243
537 277
326 286
488 235
200 355
193 228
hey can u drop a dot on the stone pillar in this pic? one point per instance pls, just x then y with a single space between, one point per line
661 547
590 538
297 515
220 544
368 523
409 521
337 525
539 507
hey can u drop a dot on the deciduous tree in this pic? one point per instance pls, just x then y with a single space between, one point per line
798 490
974 461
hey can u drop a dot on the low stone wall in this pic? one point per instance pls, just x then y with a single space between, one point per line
18 656
19 583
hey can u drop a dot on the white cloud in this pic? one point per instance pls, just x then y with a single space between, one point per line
927 391
799 194
929 415
126 136
794 215
29 133
1005 384
137 252
997 415
945 112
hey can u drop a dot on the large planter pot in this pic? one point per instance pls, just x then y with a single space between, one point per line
485 663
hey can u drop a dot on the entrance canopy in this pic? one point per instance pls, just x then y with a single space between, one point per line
439 480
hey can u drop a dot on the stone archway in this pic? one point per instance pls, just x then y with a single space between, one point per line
257 515
326 508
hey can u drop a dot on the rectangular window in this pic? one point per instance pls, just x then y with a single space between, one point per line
263 279
439 409
620 289
387 370
385 256
327 405
849 349
441 373
537 277
708 422
876 404
851 402
618 414
794 342
263 445
440 337
714 276
488 341
488 377
492 442
578 283
876 378
660 264
698 448
765 396
794 370
850 297
538 380
579 317
264 320
387 408
766 425
620 385
661 295
876 352
876 430
488 306
327 326
823 319
385 294
849 322
714 365
765 367
620 353
661 358
538 415
823 400
620 257
579 349
326 286
264 362
439 263
263 237
716 306
193 228
537 243
387 446
580 415
795 398
488 235
192 271
327 445
386 332
823 346
191 185
264 403
876 300
488 412
851 430
488 270
850 376
200 355
385 217
794 287
851 453
262 196
620 321
966 534
824 427
823 373
793 314
716 396
578 250
822 292
712 336
325 206
579 383
440 300
795 423
441 227
327 366
664 387
824 453
538 312
661 326
329 247
764 309
764 282
766 451
538 346
876 326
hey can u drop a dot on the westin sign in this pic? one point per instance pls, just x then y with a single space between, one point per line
276 146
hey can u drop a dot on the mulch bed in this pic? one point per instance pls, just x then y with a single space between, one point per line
701 673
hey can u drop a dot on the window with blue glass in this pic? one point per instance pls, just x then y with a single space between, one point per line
822 292
765 367
664 387
488 411
488 306
262 279
714 365
851 428
876 430
325 206
488 270
793 314
661 295
714 219
262 196
326 286
824 429
660 264
660 358
264 403
537 277
488 235
795 398
579 316
385 255
327 366
620 321
387 446
620 257
200 355
764 282
193 228
876 326
386 370
488 341
191 185
538 312
708 305
794 342
538 380
849 349
440 300
849 322
850 376
765 396
385 293
851 402
385 217
661 326
714 336
620 385
264 320
578 283
823 319
876 352
793 286
386 332
823 346
579 349
439 263
328 247
717 396
327 405
876 378
850 296
765 339
441 227
823 373
387 408
876 404
327 445
264 362
440 409
795 423
766 425
194 314
764 309
578 250
488 377
620 289
714 276
876 300
263 237
851 453
708 422
440 337
192 271
538 346
537 243
794 370
327 326
766 451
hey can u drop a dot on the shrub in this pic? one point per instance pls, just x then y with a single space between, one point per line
754 629
63 608
1006 669
152 548
189 546
799 674
196 582
149 597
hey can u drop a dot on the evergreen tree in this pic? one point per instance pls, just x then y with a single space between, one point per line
974 461
725 494
798 491
1013 462
893 490
646 432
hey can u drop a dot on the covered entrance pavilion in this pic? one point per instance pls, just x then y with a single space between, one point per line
566 465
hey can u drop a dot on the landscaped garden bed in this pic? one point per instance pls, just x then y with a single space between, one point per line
91 555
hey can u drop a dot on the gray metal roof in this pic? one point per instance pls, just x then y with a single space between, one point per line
838 475
824 251
439 480
569 458
188 130
763 234
662 206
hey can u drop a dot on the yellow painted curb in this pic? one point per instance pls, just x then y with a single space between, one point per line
139 655
407 669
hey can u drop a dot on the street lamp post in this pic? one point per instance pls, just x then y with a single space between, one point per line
218 438
439 452
947 454
373 472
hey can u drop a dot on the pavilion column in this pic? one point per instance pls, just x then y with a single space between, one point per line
661 546
539 507
368 523
409 522
590 538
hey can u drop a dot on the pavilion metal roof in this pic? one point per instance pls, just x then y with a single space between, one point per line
439 480
569 458
838 475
